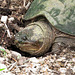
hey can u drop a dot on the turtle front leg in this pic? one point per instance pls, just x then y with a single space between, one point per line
62 43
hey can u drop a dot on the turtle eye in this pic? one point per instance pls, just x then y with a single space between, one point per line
24 38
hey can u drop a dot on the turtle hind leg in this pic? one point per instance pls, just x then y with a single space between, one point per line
62 43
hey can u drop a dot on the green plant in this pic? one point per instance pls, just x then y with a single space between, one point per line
3 50
2 69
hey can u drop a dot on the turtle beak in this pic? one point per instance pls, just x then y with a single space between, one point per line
30 39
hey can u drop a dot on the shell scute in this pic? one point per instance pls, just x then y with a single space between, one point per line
60 13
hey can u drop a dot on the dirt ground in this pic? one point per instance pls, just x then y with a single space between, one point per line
15 62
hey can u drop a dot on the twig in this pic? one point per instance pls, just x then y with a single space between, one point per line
14 59
26 6
4 20
12 66
7 29
22 66
24 3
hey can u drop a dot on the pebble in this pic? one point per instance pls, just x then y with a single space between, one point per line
11 19
21 60
9 55
1 25
7 51
36 66
63 70
34 60
69 65
61 59
73 60
15 54
57 65
1 59
73 69
4 19
52 60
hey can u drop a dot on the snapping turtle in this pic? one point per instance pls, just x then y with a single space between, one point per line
54 29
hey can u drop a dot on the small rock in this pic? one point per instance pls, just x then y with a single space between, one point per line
73 69
44 68
73 59
34 60
51 60
11 19
4 19
61 59
8 55
15 54
57 65
63 70
1 25
7 51
69 72
69 65
36 66
21 60
1 60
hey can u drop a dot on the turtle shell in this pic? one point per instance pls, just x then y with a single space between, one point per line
60 13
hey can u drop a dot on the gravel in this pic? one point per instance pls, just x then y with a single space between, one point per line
49 64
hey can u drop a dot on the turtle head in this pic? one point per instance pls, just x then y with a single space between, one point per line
34 38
